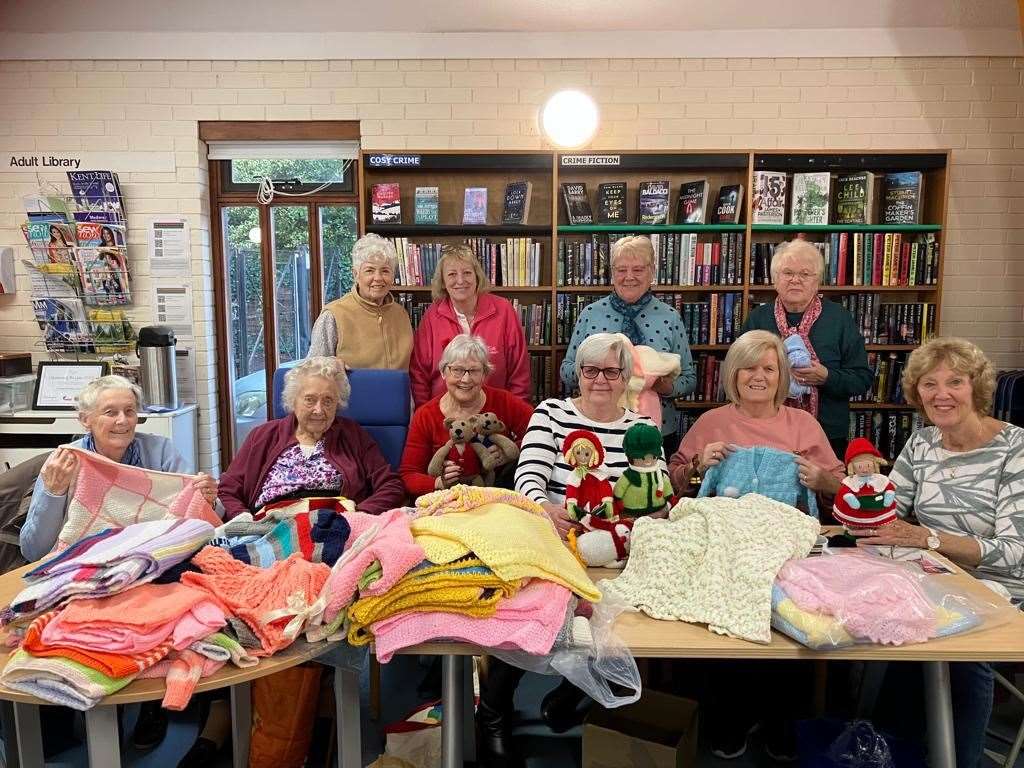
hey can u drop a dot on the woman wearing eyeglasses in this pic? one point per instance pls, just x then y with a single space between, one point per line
839 363
465 364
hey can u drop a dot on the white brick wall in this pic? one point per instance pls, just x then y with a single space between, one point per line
973 105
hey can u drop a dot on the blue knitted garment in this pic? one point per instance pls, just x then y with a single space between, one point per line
768 471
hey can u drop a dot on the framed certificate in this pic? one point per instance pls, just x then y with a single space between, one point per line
58 383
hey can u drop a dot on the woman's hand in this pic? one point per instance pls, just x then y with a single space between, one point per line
58 471
450 475
898 533
663 385
816 478
713 453
559 515
207 486
813 375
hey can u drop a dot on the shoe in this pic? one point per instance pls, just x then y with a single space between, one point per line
730 742
202 754
494 747
151 727
780 742
561 709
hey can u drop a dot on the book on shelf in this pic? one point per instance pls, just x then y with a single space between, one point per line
809 201
535 319
887 382
856 198
568 307
426 205
887 430
901 197
892 322
516 209
768 205
693 202
577 203
876 259
728 204
386 203
653 202
715 321
611 203
709 388
474 206
96 190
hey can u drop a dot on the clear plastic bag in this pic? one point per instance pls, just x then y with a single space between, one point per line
593 667
861 746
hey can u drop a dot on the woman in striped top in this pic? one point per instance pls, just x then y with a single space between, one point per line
603 365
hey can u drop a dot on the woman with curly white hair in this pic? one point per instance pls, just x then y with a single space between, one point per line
313 451
366 327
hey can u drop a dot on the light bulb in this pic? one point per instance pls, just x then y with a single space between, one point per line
569 119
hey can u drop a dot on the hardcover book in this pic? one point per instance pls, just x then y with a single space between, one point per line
809 203
653 202
517 202
426 206
693 202
386 204
96 190
769 203
611 203
728 205
577 203
474 208
901 198
855 198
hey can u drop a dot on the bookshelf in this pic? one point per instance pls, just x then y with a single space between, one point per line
548 225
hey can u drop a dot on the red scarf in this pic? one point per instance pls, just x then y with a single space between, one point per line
807 403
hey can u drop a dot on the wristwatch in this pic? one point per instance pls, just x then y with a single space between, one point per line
933 540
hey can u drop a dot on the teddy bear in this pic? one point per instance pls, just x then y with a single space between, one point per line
489 431
458 448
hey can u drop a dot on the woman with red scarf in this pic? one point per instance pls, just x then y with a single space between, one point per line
839 363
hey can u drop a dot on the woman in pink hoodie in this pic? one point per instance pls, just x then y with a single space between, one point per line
463 304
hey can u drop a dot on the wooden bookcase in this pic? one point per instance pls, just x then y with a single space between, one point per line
453 171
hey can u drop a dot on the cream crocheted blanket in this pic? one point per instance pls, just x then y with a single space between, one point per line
713 562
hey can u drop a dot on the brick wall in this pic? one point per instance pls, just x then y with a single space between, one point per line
975 106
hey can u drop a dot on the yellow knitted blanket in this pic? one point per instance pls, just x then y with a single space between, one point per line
463 498
513 543
466 587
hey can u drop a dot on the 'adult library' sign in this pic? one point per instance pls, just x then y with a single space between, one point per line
44 161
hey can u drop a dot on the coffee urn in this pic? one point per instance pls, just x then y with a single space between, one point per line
155 348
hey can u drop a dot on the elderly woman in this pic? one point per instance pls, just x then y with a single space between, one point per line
108 408
366 328
463 304
465 364
960 492
839 368
312 451
631 309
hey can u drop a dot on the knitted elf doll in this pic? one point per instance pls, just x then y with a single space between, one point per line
867 498
644 488
587 491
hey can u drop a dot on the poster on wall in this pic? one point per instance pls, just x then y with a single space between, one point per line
169 247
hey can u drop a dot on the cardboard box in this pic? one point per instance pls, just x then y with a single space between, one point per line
659 731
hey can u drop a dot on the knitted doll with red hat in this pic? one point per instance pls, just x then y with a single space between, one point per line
587 492
866 498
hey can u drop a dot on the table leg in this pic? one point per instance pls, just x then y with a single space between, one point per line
468 712
939 709
241 723
29 735
452 680
10 730
101 736
347 717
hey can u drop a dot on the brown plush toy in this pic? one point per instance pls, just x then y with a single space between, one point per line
459 449
489 431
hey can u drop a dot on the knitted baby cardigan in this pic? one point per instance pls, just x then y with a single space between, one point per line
767 471
713 562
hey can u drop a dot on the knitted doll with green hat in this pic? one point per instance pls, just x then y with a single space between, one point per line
644 488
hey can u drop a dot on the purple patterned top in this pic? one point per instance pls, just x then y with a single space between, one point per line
294 472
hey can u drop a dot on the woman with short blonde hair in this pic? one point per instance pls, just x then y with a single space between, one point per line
745 352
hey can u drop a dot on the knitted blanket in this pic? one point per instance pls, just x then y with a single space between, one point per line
59 680
107 494
713 562
762 470
463 498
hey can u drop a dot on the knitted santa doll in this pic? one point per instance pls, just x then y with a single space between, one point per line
587 491
644 488
866 498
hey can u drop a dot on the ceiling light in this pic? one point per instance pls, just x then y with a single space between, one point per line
569 119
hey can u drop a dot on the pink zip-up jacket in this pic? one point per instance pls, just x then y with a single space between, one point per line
497 321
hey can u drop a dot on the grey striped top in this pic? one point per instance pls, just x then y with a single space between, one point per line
977 493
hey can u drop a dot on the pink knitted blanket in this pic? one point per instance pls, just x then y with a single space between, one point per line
875 599
111 495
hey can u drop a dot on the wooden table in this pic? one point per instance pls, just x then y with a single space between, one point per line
651 638
103 743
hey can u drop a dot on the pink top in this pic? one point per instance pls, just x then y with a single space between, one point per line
789 430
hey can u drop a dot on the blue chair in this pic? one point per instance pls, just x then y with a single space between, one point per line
380 404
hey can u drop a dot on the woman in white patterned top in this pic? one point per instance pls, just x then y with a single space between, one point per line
962 480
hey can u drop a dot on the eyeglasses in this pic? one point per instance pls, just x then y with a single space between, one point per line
591 371
803 277
458 372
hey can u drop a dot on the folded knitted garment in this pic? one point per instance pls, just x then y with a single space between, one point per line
319 535
250 593
466 586
513 543
138 620
108 494
115 562
289 508
713 562
462 498
767 471
182 672
221 647
59 680
875 599
529 620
